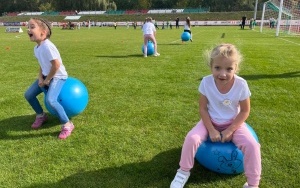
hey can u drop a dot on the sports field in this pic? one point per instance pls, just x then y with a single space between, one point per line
140 109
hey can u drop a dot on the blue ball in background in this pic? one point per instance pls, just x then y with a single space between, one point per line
185 36
73 97
224 158
150 48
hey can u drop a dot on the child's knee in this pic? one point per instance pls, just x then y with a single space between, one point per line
252 146
26 95
51 102
193 139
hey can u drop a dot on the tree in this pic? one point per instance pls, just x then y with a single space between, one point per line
46 7
126 4
142 4
194 3
64 5
182 3
111 6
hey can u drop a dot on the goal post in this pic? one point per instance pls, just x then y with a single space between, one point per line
255 9
281 17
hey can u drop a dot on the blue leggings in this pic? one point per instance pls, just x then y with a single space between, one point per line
52 98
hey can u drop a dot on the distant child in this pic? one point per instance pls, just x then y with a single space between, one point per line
251 23
149 32
224 106
51 77
78 25
155 24
254 23
187 27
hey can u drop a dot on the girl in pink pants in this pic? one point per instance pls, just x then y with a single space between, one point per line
149 33
224 106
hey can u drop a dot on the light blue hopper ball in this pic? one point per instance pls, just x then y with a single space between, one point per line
73 97
150 48
185 36
224 158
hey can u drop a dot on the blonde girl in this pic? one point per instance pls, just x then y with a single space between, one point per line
149 34
224 106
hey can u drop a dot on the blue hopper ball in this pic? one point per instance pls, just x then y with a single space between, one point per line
73 97
185 36
150 48
224 158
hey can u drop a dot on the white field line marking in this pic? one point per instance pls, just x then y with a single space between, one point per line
18 36
280 38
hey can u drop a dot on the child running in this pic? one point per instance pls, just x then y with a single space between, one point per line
224 106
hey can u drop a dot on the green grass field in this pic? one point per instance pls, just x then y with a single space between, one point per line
140 109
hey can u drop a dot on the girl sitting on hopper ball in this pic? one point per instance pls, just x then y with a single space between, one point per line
149 34
51 77
224 106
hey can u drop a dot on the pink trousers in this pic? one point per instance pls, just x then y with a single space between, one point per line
150 37
242 138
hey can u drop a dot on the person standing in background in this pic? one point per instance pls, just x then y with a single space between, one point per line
244 18
177 23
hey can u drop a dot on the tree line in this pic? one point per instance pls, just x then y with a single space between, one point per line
67 5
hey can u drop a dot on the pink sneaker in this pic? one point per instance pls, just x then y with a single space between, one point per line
39 121
66 131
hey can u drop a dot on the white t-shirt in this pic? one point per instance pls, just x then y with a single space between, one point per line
47 52
186 27
148 28
223 108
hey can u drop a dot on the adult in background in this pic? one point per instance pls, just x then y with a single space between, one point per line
177 23
244 18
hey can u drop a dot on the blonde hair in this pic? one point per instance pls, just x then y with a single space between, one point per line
148 19
44 24
224 50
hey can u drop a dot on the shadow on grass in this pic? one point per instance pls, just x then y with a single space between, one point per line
158 172
268 76
120 56
22 125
